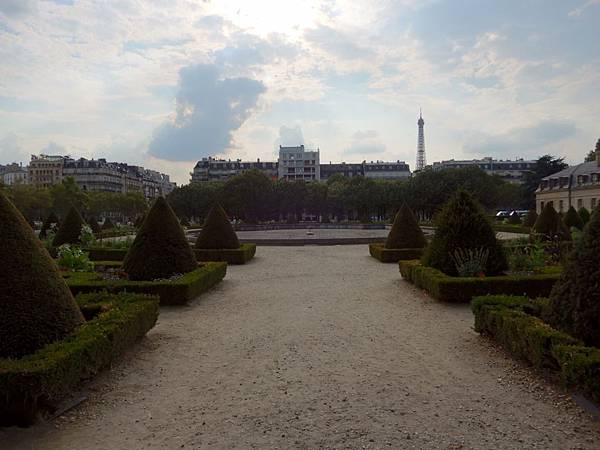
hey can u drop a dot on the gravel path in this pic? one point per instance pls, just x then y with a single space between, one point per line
315 347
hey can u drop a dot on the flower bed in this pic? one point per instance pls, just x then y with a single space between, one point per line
462 289
393 255
516 324
240 255
32 385
177 291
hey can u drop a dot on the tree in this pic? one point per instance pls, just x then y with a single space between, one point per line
36 306
217 232
249 195
531 218
160 248
550 226
593 154
67 194
405 232
70 229
52 219
462 224
584 214
545 165
572 219
94 226
32 202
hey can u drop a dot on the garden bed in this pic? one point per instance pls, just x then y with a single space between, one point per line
106 253
232 256
516 324
393 255
171 292
31 386
462 289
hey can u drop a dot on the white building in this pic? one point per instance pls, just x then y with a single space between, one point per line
296 163
382 170
14 174
511 171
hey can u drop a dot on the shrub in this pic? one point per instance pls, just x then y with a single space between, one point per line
184 221
70 229
160 248
108 225
462 224
393 255
470 262
73 258
572 219
36 307
514 219
240 255
527 258
530 218
584 214
86 237
139 220
575 300
405 232
93 223
549 225
50 223
217 231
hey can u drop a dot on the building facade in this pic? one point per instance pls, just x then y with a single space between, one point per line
511 171
13 174
383 170
297 163
45 170
211 169
577 186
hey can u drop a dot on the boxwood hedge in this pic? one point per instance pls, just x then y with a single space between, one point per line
393 255
240 255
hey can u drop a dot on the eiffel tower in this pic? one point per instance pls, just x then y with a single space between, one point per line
421 161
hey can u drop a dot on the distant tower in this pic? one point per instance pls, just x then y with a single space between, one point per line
421 161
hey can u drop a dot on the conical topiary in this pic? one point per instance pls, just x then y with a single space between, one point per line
514 218
530 218
462 224
549 225
160 248
36 306
52 219
584 214
217 231
70 229
575 298
139 220
405 232
572 219
93 223
108 225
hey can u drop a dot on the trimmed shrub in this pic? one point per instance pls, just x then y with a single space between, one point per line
462 224
575 300
572 219
393 255
549 225
70 229
36 307
184 221
217 231
139 220
106 253
52 219
240 255
108 225
530 218
160 248
584 214
405 232
93 223
514 219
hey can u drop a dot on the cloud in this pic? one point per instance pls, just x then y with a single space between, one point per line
522 141
337 43
365 143
10 149
208 110
290 136
16 8
54 149
578 11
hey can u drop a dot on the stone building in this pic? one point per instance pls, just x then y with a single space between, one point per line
381 170
297 163
212 169
13 174
511 171
45 170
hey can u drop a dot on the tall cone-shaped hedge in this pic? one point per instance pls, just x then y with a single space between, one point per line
405 232
70 229
94 226
160 248
584 214
51 219
463 224
530 218
36 306
575 298
572 219
549 224
217 231
108 224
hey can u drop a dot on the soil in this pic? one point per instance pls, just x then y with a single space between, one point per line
316 347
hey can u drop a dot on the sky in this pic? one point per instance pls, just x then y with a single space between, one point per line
164 83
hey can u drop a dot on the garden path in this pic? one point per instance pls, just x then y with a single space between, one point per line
315 347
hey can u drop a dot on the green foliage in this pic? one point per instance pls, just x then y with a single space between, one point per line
584 214
530 218
514 219
115 322
393 255
217 232
94 226
575 300
463 224
36 308
405 232
171 292
470 262
51 222
67 194
73 258
86 237
593 154
549 226
69 231
527 258
240 255
545 165
139 220
160 248
108 224
462 290
572 219
106 253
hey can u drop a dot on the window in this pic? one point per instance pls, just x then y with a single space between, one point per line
579 203
560 205
593 203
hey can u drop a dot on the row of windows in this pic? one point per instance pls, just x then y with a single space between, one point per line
580 204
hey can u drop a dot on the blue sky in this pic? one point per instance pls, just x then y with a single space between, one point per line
164 83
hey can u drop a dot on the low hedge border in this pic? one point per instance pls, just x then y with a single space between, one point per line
171 292
232 256
393 255
514 322
106 253
508 228
33 384
463 289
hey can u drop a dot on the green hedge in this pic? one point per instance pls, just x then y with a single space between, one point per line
393 255
240 255
462 290
34 383
106 253
510 228
509 320
171 292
